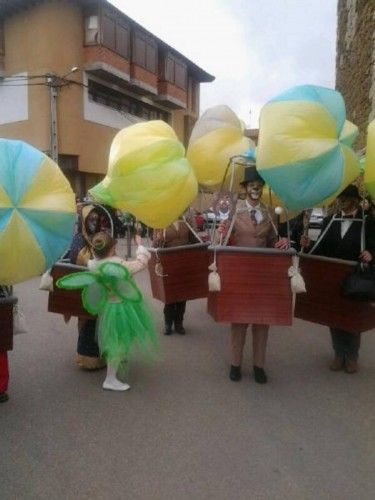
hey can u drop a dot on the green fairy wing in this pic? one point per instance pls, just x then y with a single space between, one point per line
118 279
76 280
94 294
109 278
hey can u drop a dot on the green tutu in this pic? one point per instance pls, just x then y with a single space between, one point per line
124 321
121 328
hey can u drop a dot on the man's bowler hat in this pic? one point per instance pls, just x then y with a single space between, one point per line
350 191
251 175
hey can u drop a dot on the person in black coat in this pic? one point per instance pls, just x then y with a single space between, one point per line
342 240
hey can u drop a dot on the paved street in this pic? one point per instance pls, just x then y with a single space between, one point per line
184 431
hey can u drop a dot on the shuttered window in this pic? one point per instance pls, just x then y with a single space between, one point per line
175 71
122 39
115 33
145 51
109 32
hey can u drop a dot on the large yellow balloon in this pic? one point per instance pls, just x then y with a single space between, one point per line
216 137
148 174
369 177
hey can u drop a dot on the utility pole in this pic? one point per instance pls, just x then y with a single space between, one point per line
53 88
54 82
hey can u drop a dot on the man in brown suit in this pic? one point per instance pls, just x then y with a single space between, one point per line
253 226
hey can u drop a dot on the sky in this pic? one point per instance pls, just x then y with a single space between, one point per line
254 48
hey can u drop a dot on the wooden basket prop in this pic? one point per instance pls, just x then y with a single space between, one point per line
6 323
255 287
62 301
179 273
323 302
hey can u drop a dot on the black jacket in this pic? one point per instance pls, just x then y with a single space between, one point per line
348 247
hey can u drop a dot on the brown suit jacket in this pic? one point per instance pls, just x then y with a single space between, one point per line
174 237
247 234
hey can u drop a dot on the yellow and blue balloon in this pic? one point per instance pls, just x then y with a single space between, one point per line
148 174
217 136
304 152
37 212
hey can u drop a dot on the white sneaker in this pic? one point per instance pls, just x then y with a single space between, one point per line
115 385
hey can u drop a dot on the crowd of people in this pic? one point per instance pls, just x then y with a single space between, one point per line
348 233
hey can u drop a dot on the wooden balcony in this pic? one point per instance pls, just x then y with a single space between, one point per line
172 96
142 80
106 64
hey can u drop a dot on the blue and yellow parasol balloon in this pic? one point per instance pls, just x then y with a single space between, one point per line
37 212
148 174
304 152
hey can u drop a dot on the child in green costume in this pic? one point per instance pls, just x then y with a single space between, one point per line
124 321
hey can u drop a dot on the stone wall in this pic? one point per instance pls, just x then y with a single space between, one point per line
355 61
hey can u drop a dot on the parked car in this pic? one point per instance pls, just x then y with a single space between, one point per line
316 218
210 219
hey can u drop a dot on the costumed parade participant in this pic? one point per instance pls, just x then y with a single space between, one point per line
123 319
341 239
176 234
80 253
88 225
252 226
6 339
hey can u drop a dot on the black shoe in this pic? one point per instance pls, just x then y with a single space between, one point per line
178 328
260 375
168 330
235 373
3 397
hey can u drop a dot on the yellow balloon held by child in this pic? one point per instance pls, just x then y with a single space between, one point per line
148 174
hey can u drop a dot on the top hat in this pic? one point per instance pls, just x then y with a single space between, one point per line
251 175
350 191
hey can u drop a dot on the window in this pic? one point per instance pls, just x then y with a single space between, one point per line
115 31
123 103
180 75
122 39
91 30
145 51
175 71
193 95
109 32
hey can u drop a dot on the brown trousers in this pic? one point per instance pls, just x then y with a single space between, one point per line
238 339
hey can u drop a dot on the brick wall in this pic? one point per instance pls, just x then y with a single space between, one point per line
355 61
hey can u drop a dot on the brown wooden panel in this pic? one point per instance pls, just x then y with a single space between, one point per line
255 288
186 273
323 302
67 302
6 323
